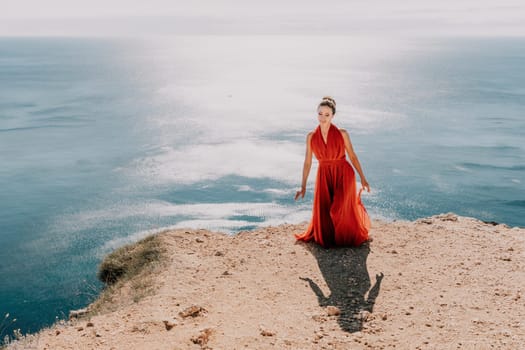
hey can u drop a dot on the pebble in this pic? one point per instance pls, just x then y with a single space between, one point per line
169 325
193 311
333 310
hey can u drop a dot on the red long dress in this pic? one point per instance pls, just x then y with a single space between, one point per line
339 218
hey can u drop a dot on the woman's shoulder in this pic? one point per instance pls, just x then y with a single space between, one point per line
343 131
344 134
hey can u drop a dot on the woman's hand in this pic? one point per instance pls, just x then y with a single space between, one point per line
364 184
300 193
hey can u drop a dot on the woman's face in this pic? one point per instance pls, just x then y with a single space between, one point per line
324 114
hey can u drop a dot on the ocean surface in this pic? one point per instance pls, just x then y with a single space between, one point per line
103 141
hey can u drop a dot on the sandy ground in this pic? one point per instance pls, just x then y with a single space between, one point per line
444 282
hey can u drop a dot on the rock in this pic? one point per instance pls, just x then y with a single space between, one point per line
493 223
219 253
318 318
80 329
169 325
202 338
333 310
90 324
447 217
193 311
266 333
199 240
364 315
57 332
77 313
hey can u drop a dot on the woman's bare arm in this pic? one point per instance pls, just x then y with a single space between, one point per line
353 158
306 166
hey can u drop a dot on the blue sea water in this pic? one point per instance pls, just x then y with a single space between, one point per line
103 141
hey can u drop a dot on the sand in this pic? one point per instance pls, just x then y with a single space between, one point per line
444 282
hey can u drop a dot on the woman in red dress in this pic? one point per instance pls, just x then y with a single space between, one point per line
339 218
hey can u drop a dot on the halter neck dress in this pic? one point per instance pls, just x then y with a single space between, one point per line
339 218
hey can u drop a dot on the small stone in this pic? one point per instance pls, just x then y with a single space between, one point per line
57 332
333 310
219 253
364 315
267 333
199 240
168 324
80 329
202 338
193 311
318 318
384 317
90 324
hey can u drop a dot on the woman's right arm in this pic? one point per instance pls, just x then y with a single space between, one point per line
306 167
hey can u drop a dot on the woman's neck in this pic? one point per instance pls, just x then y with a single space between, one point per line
325 126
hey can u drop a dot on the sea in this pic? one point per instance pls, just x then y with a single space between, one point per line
106 140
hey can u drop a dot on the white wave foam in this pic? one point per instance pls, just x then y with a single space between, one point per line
462 168
158 209
276 191
212 217
249 158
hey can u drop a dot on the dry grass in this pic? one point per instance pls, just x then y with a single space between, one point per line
127 274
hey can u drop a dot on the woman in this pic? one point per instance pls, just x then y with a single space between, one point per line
339 218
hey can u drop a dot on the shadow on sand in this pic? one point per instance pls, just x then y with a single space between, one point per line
345 273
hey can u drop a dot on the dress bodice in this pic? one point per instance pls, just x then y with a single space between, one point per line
333 149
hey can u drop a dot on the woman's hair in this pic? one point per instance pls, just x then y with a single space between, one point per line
329 102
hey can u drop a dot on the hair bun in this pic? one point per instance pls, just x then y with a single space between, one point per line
329 99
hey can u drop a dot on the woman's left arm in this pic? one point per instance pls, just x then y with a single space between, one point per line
353 159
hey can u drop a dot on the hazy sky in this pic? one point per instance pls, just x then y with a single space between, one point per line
164 17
